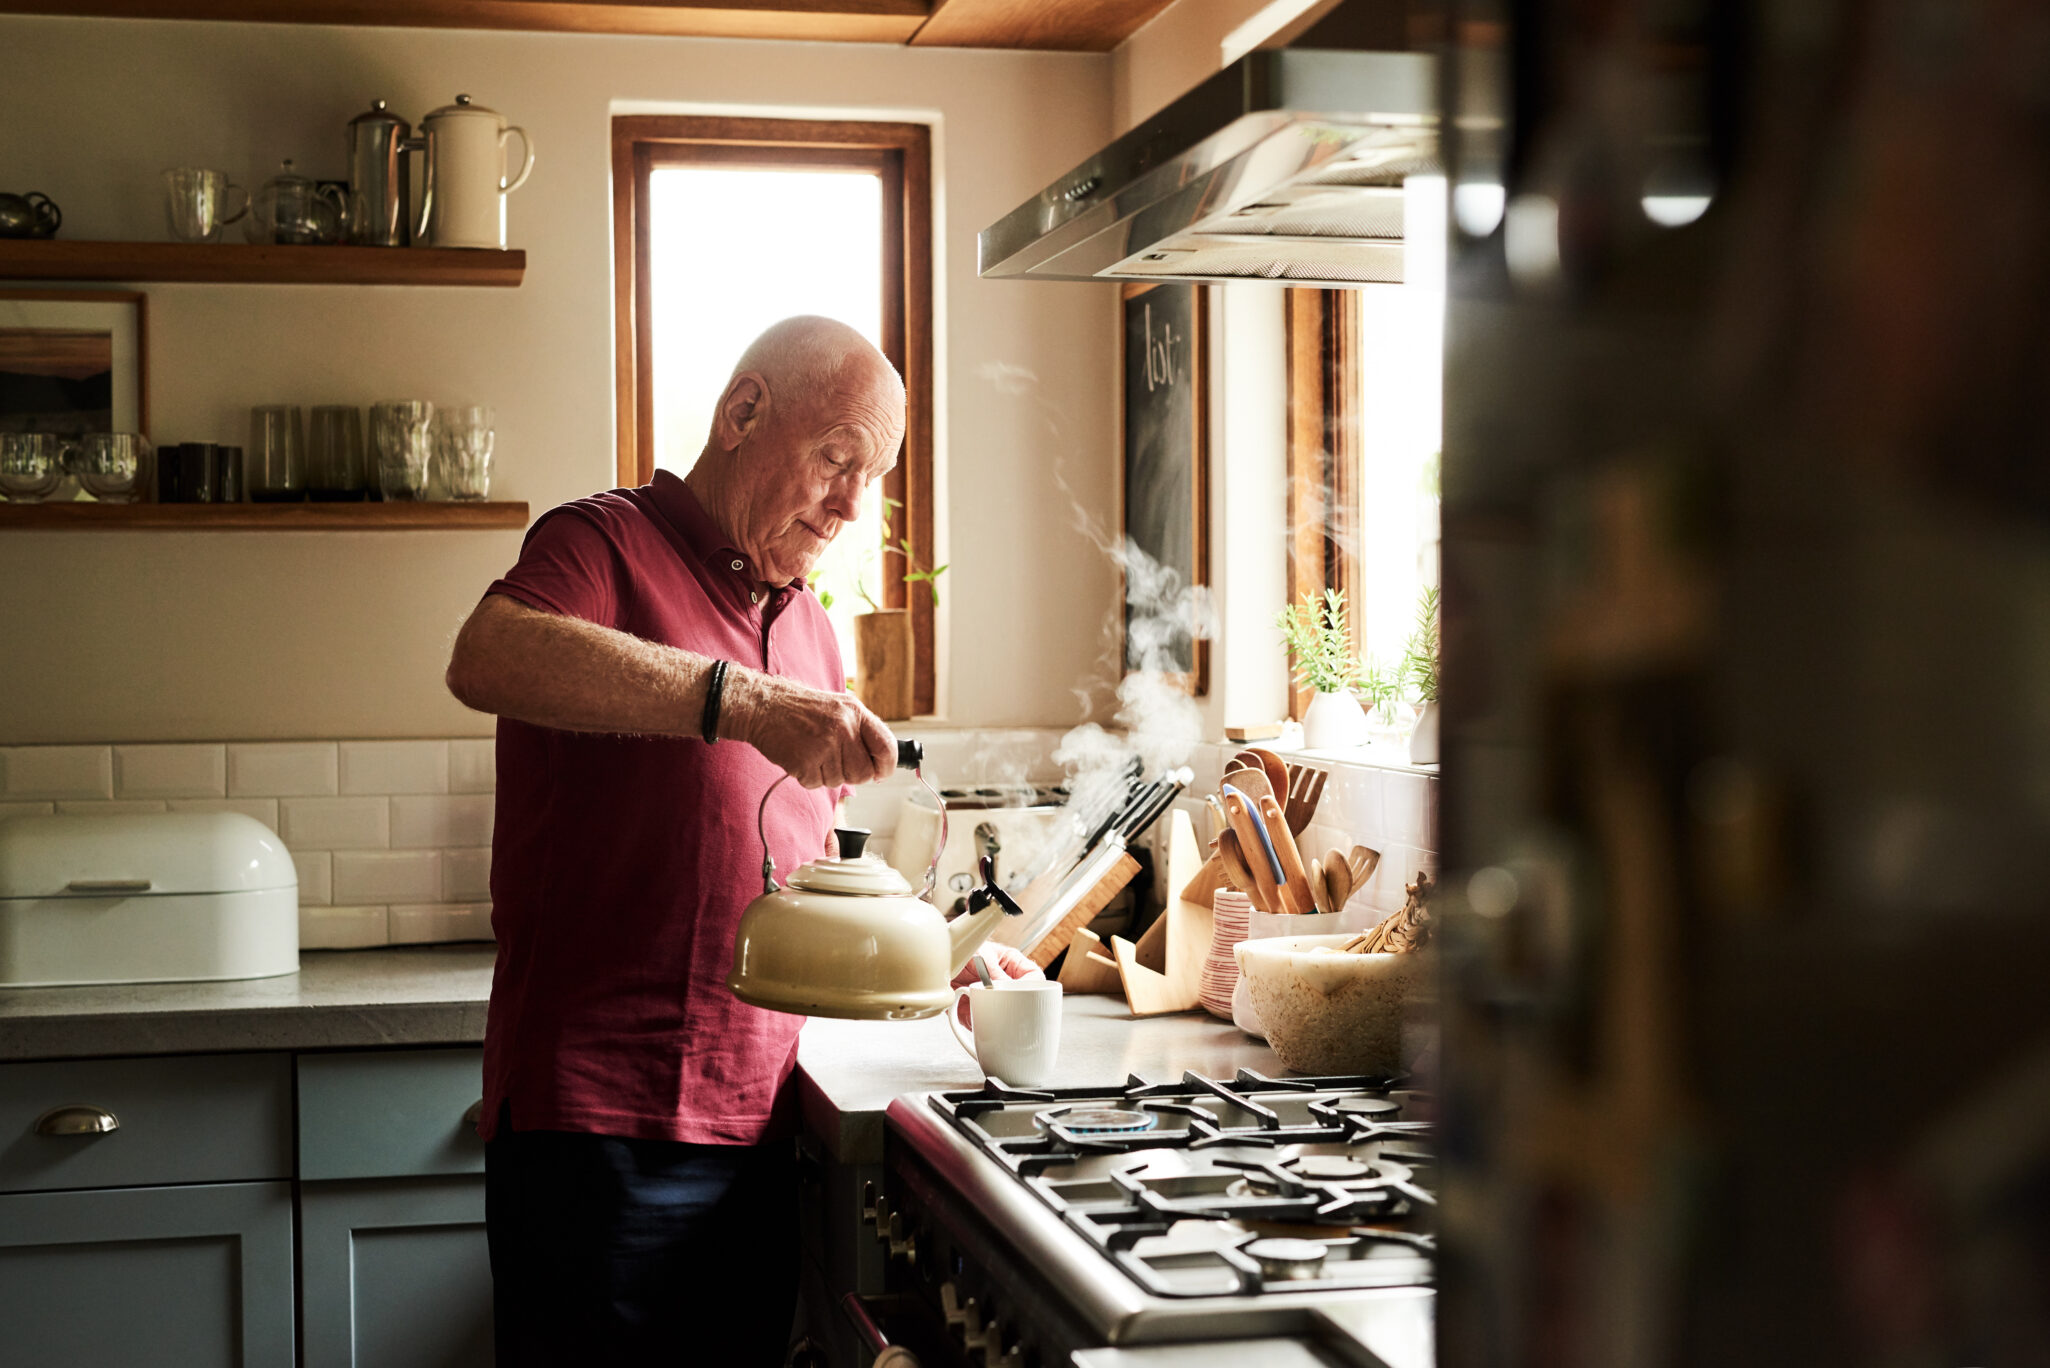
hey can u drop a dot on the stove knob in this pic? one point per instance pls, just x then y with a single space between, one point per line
870 1200
880 1213
950 1301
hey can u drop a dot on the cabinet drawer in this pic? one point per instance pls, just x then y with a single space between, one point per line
198 1119
388 1114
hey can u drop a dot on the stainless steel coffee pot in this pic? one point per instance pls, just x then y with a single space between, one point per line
379 190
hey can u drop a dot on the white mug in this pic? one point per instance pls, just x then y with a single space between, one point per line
1017 1029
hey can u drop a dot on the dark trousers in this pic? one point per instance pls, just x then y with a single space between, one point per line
628 1252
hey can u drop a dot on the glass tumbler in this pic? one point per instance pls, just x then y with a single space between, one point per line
31 465
276 465
196 202
114 467
463 439
334 453
401 431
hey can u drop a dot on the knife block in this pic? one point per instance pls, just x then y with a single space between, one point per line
1164 971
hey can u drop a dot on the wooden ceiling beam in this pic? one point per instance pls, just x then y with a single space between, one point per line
851 21
1048 25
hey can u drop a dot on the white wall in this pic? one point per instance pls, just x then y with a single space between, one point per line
156 636
1177 49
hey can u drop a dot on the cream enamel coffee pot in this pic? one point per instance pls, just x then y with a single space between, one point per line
848 937
462 201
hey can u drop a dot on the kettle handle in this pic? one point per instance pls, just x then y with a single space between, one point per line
526 167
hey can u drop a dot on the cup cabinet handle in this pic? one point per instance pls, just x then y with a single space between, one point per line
77 1118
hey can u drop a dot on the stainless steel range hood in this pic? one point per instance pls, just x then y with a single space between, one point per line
1287 165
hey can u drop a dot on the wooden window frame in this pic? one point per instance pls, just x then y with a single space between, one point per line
901 153
1323 451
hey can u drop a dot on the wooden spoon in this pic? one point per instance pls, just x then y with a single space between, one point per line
1236 870
1245 823
1277 772
1320 889
1362 863
1337 878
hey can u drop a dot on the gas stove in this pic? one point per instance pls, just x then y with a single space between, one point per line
1030 1224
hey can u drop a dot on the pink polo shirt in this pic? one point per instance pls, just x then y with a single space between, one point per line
620 865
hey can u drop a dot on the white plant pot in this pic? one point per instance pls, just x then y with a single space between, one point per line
1423 742
1334 721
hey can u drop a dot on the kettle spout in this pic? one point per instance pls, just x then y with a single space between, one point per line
987 908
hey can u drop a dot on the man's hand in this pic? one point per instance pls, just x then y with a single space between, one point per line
823 739
1004 962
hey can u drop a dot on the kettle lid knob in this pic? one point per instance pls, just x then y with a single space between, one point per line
852 840
462 99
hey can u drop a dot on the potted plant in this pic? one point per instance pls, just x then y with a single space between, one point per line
1420 673
1320 639
882 639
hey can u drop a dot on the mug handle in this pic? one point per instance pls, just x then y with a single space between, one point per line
45 210
526 167
954 1025
236 217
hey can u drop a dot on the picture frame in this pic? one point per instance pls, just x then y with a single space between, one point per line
74 361
1164 445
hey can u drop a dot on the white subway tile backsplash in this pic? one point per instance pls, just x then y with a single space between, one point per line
32 772
316 877
413 925
386 767
26 809
343 928
1408 797
388 876
458 820
112 808
170 771
335 823
264 810
281 769
466 874
473 765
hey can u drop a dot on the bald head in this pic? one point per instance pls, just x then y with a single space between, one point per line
811 416
810 356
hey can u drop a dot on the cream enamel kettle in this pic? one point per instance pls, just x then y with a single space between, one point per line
848 937
463 190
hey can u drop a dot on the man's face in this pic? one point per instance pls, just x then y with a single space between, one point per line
806 465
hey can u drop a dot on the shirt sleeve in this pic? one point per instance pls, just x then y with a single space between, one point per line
567 566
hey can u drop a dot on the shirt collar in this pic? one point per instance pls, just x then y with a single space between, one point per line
706 540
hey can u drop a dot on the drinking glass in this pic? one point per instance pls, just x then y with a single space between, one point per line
31 465
463 439
276 466
113 466
334 453
400 429
196 201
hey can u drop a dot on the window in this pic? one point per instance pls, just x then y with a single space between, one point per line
723 226
1366 402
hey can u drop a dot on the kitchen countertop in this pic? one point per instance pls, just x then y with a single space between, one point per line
339 999
436 995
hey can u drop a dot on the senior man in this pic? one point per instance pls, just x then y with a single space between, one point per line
656 661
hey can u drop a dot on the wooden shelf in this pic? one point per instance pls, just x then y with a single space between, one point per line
231 263
259 517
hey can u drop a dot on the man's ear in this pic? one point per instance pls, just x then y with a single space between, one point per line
742 410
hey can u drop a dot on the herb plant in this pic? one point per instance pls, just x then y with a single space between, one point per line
1419 667
1320 639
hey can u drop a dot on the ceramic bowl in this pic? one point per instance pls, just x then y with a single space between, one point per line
1327 1011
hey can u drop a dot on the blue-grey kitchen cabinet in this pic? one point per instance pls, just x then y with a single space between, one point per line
146 1212
391 1210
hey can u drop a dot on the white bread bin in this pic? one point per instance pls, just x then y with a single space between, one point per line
145 898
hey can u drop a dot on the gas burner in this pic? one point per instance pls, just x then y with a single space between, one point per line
1328 1167
1091 1121
1285 1259
1381 1107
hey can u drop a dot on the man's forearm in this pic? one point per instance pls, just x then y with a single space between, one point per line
572 675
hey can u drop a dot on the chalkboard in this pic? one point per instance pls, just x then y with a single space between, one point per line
1166 514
